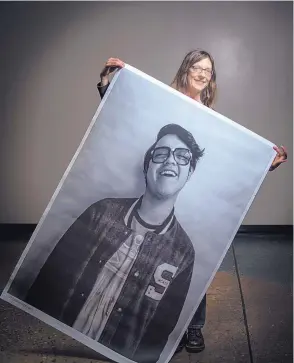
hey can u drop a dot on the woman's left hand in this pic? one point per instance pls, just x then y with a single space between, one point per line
280 158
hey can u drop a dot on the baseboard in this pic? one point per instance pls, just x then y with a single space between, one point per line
23 232
16 231
266 229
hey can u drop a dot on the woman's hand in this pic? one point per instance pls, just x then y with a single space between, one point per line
280 158
110 66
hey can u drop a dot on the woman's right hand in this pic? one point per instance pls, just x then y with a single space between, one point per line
110 66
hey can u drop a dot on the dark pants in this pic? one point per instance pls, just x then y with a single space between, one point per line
198 319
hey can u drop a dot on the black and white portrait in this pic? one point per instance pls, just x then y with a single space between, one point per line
133 260
140 221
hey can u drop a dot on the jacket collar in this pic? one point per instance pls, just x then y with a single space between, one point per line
130 213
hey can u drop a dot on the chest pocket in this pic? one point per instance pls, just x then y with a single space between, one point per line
163 276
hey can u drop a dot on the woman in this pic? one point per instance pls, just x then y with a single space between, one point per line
195 78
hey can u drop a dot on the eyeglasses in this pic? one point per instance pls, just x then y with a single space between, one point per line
182 156
198 70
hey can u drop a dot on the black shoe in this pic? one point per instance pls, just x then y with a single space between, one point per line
195 341
182 344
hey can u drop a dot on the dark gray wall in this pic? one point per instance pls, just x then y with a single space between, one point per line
52 54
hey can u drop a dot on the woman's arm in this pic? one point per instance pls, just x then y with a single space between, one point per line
102 89
280 158
110 66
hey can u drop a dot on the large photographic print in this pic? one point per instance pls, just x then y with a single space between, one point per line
140 221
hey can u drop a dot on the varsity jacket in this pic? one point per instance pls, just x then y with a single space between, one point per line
153 294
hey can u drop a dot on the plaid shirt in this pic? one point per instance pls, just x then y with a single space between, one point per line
152 297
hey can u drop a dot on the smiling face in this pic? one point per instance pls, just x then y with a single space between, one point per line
167 178
199 75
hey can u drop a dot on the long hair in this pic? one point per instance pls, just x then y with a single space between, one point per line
180 81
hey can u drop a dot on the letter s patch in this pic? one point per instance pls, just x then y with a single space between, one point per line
157 294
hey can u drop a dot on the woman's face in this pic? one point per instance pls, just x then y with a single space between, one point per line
199 75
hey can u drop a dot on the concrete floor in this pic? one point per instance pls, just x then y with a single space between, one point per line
264 264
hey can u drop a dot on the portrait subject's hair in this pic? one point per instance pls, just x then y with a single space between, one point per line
180 81
185 136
